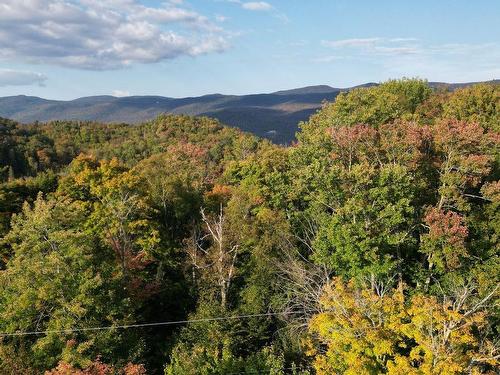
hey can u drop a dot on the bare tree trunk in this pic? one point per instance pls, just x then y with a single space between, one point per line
223 253
428 279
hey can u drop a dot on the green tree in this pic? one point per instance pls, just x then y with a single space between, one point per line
373 106
54 281
478 103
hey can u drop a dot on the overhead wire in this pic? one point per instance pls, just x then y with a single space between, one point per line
143 325
259 372
266 372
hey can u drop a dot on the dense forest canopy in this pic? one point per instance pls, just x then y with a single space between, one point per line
370 246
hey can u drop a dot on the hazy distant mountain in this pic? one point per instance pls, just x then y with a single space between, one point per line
274 116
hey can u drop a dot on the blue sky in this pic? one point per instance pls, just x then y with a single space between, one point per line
64 49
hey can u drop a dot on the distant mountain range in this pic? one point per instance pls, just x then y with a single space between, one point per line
274 116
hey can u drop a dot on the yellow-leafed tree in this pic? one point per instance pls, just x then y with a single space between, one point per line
377 330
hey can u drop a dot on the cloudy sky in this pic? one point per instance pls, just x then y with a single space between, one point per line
64 49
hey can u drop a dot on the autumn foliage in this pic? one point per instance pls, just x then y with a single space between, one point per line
182 246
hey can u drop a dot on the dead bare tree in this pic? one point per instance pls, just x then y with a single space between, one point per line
215 250
303 285
303 282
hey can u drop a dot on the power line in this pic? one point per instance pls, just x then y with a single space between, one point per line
260 372
141 325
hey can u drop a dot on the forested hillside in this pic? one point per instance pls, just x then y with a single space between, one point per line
369 246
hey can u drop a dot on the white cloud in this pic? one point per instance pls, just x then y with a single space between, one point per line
103 34
377 46
221 18
252 5
256 5
120 93
357 42
413 57
367 42
445 63
327 59
391 51
299 43
260 6
10 77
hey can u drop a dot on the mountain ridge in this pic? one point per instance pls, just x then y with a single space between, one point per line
272 115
